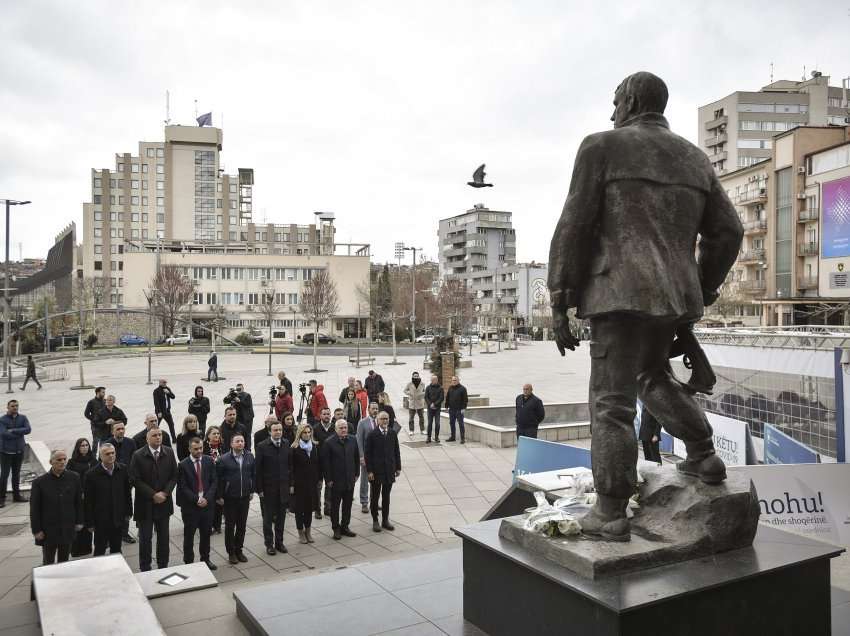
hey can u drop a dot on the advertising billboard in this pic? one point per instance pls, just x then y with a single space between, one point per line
835 199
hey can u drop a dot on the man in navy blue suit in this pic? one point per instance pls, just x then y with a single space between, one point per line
196 493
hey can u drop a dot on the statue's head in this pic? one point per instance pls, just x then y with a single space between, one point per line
639 93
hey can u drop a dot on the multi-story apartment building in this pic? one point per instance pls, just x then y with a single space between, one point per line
737 130
747 282
477 240
513 292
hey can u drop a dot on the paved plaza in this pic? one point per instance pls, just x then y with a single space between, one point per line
440 486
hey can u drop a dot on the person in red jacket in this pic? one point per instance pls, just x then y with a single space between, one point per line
317 402
282 402
362 396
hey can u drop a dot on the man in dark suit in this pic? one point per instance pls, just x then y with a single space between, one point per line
383 465
108 415
197 483
108 504
341 467
530 412
141 438
230 426
92 411
153 473
623 254
56 509
162 397
235 472
272 467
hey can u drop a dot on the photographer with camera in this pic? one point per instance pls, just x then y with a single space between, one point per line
316 402
239 399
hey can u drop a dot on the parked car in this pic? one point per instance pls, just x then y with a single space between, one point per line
323 339
425 338
131 339
178 338
64 340
256 336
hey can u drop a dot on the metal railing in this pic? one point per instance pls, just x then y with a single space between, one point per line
807 249
755 226
811 214
751 255
807 282
818 337
753 285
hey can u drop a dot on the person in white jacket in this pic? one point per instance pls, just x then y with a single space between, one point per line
415 392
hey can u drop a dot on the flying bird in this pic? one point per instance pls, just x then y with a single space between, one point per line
478 178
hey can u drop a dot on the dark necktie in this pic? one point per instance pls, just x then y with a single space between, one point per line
198 476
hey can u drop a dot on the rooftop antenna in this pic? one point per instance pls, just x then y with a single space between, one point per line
771 72
196 101
804 72
167 108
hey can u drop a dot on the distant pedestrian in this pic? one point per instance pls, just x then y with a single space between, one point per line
14 427
283 402
384 404
212 367
230 427
343 395
415 392
362 396
109 414
352 410
305 471
140 438
92 411
107 501
649 435
383 465
317 402
529 412
434 396
374 384
284 381
262 434
162 396
456 401
199 406
56 510
30 374
290 430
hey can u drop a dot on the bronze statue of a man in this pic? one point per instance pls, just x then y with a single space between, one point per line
646 238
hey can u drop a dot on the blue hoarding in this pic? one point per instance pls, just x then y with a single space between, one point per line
538 455
779 448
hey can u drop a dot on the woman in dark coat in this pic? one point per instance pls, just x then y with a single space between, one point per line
290 431
385 405
214 448
352 410
82 461
304 480
191 430
199 406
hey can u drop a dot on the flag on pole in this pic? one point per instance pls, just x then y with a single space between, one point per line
205 119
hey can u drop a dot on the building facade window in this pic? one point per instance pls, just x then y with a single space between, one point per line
784 229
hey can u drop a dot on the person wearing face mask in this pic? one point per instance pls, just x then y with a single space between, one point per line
304 480
415 393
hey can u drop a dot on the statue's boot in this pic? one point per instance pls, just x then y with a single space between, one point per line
607 519
702 462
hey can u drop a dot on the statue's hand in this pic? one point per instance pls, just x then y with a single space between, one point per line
564 339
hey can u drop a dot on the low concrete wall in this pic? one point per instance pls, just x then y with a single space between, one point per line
495 426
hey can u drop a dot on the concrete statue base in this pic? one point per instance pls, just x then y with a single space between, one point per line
679 518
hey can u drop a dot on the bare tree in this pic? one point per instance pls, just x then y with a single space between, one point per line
171 292
730 299
319 302
269 308
455 304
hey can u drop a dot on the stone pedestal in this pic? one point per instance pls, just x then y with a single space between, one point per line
679 518
778 585
448 360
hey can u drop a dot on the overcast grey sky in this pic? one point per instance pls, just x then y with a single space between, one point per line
377 111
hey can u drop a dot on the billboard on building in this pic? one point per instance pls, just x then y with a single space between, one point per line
835 198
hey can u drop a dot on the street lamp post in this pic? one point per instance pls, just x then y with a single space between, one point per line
6 307
149 298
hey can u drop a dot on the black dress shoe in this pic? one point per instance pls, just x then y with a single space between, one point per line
376 527
386 525
270 551
2 503
215 531
451 439
281 548
232 559
436 440
348 533
462 441
20 499
337 534
212 566
318 515
428 441
240 556
128 539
